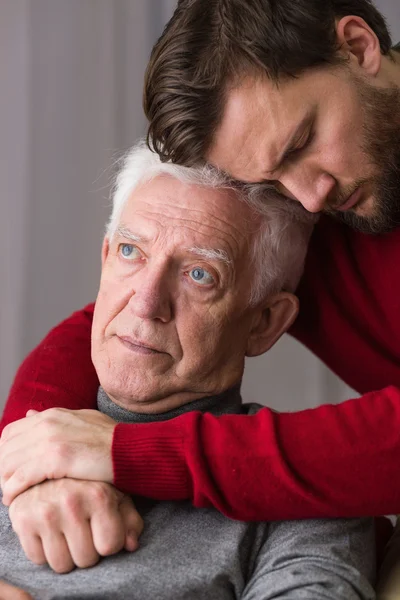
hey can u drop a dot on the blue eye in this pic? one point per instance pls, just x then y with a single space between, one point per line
201 276
128 251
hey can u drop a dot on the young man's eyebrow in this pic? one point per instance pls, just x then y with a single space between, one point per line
211 254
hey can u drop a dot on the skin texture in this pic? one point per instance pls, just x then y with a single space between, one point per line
201 330
319 139
69 523
66 522
192 309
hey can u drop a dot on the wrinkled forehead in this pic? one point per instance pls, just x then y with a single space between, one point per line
191 214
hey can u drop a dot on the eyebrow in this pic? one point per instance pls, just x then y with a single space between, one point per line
211 254
128 234
301 127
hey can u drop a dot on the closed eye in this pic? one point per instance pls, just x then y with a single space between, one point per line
300 147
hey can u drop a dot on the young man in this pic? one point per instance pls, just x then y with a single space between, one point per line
309 92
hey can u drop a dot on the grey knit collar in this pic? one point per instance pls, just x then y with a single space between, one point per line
228 402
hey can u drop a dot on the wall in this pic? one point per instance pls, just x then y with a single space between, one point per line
71 73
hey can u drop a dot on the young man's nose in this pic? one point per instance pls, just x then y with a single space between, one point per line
314 192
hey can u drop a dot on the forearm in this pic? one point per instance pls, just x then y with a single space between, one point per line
333 461
59 372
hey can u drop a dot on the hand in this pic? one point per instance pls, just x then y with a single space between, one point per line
10 592
69 523
53 444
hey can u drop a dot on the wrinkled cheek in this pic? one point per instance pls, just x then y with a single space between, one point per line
109 305
198 358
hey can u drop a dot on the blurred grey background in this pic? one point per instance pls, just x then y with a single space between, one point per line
71 74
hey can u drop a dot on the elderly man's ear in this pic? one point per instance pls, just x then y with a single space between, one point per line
271 321
105 250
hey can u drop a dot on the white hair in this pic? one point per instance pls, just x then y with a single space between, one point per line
281 227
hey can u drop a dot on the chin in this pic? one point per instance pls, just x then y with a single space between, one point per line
127 392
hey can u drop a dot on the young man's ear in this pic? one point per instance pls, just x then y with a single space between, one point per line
358 41
271 322
105 249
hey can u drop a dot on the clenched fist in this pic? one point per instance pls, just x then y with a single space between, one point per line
69 522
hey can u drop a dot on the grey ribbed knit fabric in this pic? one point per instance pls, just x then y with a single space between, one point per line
193 554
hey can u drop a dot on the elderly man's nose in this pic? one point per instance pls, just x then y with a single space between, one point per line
151 301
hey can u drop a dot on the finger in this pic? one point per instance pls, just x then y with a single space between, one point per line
33 548
56 551
79 539
22 426
108 531
27 425
31 412
133 523
24 477
10 592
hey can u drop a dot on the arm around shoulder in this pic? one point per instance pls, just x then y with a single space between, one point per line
58 372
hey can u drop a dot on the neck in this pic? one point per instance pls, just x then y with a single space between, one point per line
228 402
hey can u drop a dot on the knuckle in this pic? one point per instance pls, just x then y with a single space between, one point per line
47 514
101 493
53 413
49 421
59 449
71 503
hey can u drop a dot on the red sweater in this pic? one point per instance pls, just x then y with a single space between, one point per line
341 460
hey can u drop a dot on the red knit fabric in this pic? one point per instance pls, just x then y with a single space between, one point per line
330 461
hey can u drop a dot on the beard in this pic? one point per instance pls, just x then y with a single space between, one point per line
381 146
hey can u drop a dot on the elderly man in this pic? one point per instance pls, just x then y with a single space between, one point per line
305 95
196 275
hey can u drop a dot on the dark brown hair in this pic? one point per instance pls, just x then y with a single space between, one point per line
209 44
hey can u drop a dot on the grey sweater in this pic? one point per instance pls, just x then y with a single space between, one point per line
192 554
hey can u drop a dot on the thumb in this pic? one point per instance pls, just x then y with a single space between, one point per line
133 523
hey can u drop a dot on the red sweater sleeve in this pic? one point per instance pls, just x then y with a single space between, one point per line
332 461
59 372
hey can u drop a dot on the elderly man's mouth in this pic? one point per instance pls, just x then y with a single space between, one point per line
138 346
